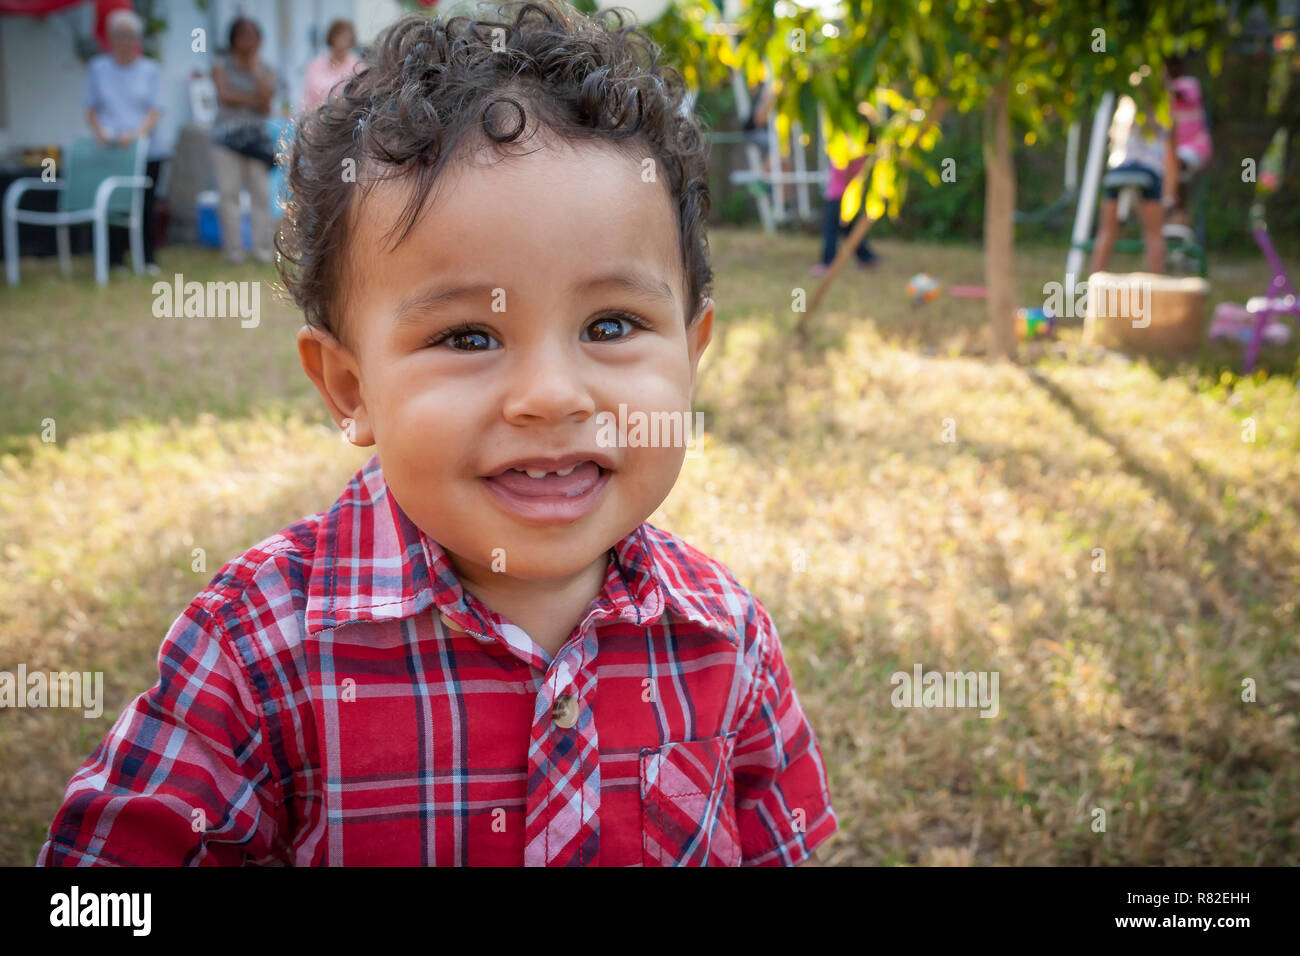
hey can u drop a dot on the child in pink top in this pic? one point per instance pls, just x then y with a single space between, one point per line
836 183
838 180
1190 147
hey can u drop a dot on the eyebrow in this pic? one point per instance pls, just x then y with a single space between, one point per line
633 283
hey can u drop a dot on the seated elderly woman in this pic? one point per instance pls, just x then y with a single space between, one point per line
123 100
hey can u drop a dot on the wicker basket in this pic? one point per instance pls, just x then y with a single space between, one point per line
1142 312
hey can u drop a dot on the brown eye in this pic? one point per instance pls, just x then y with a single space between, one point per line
610 328
464 339
471 341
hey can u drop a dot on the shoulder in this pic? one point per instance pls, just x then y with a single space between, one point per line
318 67
259 598
683 558
704 588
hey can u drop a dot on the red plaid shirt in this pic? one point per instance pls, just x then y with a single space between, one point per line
335 697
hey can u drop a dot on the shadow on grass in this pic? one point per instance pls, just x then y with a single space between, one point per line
1224 542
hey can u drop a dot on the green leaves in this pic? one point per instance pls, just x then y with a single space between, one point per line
1056 56
874 76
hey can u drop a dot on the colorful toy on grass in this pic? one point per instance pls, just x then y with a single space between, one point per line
1034 324
923 288
1237 322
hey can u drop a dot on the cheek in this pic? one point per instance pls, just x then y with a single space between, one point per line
421 407
425 439
660 379
654 470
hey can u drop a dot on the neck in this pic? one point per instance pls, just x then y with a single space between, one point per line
546 608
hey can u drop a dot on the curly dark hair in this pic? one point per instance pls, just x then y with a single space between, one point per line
428 84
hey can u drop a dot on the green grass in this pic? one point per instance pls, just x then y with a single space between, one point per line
1119 690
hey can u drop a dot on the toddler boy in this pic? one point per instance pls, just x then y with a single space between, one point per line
481 654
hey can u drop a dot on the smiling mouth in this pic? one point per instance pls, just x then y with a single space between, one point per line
559 497
572 481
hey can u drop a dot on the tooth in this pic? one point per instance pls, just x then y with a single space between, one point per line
568 470
534 473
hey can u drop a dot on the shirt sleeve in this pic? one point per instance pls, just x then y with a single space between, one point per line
276 79
783 805
183 778
156 101
90 89
312 96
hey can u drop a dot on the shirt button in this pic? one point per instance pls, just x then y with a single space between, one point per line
565 711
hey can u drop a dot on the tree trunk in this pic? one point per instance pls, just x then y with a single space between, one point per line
999 223
842 255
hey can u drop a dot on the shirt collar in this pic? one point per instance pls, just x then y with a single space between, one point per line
372 563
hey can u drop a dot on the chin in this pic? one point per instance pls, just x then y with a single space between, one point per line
554 561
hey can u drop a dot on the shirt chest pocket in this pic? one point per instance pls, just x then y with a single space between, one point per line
688 804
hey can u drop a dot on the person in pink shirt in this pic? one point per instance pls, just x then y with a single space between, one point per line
330 68
836 184
1189 148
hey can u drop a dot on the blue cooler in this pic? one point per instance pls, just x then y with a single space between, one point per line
210 221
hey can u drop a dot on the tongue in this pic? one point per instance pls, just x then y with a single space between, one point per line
552 486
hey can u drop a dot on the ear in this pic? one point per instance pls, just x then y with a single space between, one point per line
334 371
698 336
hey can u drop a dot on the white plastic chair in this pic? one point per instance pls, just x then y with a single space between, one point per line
103 185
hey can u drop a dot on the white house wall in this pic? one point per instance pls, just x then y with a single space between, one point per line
43 76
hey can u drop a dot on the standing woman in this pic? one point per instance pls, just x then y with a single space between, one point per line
123 100
242 153
332 67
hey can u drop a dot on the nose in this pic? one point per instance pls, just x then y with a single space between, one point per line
547 385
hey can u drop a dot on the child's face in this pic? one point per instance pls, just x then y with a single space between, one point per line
546 354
